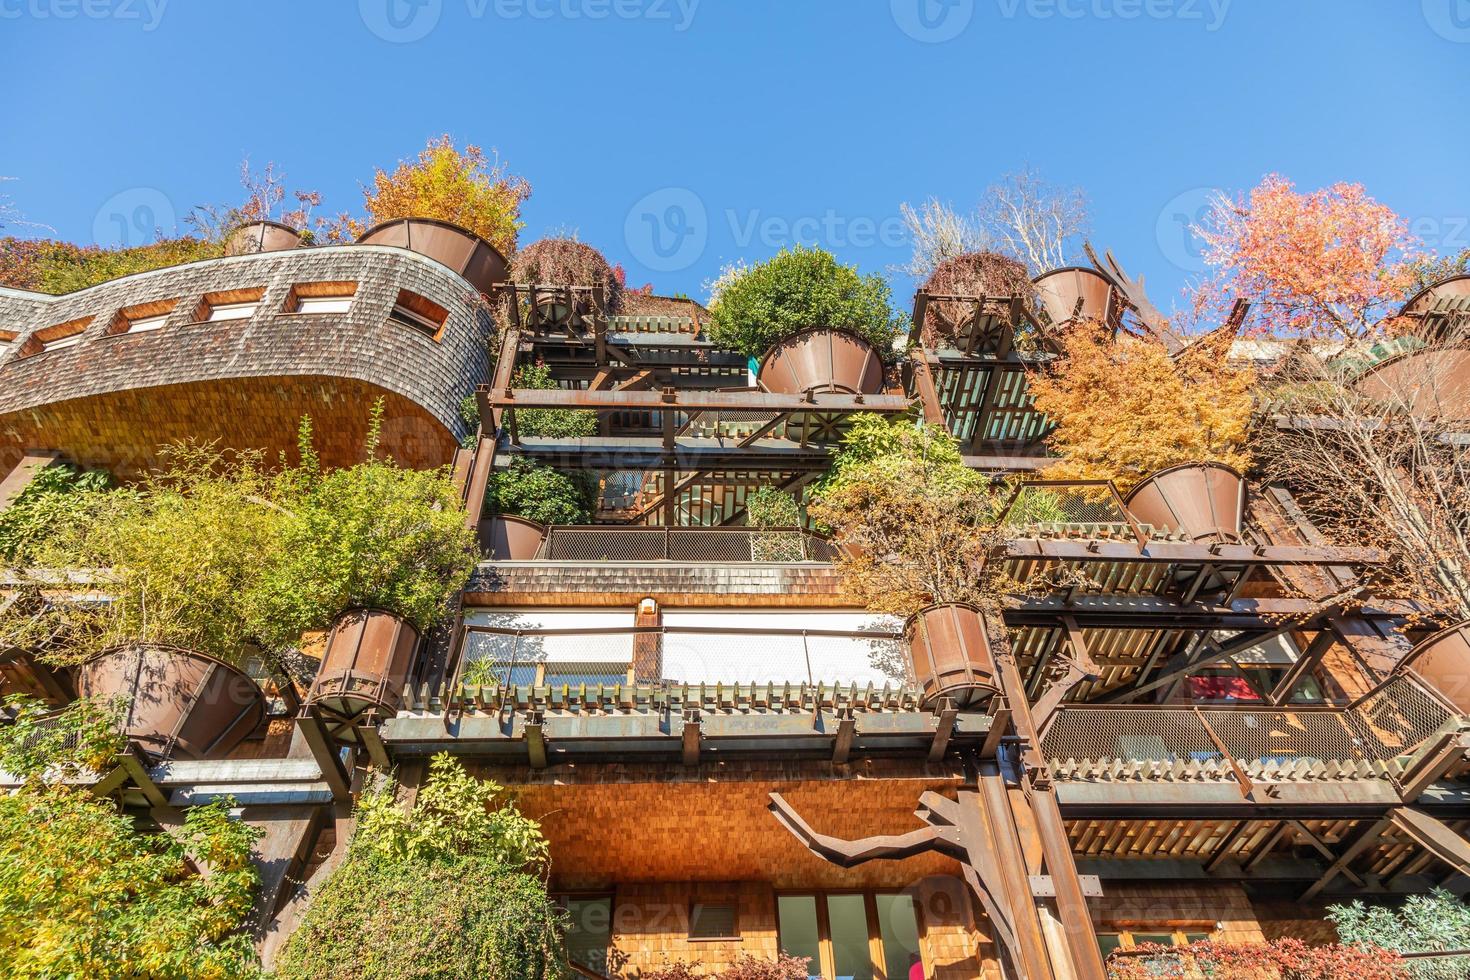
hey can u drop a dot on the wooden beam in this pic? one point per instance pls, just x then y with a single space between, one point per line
309 722
1222 851
947 714
1366 837
1320 846
846 732
1435 837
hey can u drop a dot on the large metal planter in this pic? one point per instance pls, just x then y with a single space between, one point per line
22 674
262 236
822 360
369 654
1076 294
179 702
1443 663
1425 300
479 262
950 652
511 538
1205 502
1432 383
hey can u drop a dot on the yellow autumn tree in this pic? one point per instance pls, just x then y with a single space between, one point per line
1124 408
464 187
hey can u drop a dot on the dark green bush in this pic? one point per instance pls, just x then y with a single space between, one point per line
549 423
539 493
798 289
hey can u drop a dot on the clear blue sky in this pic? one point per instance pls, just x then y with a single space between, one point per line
631 117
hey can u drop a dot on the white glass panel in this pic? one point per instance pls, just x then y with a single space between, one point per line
797 918
324 304
847 921
744 655
144 324
61 343
898 925
232 311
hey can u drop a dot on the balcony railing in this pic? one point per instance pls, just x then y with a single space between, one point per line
1371 739
678 544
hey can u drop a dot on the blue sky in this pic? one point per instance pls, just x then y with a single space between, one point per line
678 135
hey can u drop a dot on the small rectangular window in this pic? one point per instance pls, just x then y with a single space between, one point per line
589 932
7 341
413 310
233 304
57 337
143 317
800 932
713 921
321 297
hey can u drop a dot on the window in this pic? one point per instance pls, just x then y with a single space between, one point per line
713 921
1126 940
57 337
413 310
321 297
233 304
589 930
143 317
7 341
852 936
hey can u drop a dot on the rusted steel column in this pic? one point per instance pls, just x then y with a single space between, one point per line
1056 845
988 821
648 659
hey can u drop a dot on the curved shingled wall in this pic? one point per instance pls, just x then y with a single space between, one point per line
112 399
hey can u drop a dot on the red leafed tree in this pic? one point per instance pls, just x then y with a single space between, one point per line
1284 959
1330 264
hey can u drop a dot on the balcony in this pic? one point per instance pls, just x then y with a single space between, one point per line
681 544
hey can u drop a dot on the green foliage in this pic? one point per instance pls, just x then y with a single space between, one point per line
216 553
469 413
800 288
550 423
1437 921
767 507
456 815
539 493
746 967
920 525
84 894
441 891
59 496
39 744
51 266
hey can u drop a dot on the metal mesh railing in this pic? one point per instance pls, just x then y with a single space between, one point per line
1084 509
726 424
1365 740
625 544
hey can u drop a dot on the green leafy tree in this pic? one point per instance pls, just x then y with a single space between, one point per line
800 288
51 266
528 489
451 888
60 496
550 423
1437 921
84 894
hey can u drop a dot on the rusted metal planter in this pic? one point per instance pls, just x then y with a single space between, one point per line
822 360
369 654
1205 502
180 702
950 652
1424 300
262 236
475 259
21 673
511 538
1431 383
1076 293
1443 663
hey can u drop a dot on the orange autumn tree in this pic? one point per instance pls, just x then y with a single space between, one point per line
463 187
1124 408
1332 264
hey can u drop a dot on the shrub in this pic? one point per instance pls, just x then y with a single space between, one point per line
969 274
1284 959
1437 921
550 423
1124 408
441 891
766 508
745 968
51 266
567 262
539 493
758 307
920 523
59 496
84 894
